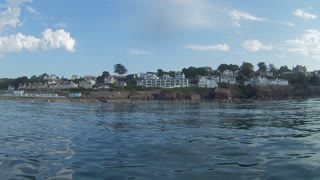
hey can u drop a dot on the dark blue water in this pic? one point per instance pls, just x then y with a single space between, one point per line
256 140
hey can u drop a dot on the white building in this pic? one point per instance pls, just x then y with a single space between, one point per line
23 86
228 73
68 85
280 82
85 85
74 77
50 77
35 86
63 85
208 82
151 80
10 88
212 82
228 80
18 93
261 81
110 80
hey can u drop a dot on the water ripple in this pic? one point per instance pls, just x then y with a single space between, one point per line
252 140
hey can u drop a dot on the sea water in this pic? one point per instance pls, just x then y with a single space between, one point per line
251 140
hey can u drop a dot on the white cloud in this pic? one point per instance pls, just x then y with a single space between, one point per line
10 14
32 10
255 45
236 16
308 44
9 18
305 15
58 39
18 42
134 51
217 47
50 40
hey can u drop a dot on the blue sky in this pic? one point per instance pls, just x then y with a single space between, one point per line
87 37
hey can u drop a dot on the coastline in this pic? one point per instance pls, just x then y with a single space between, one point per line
181 95
137 101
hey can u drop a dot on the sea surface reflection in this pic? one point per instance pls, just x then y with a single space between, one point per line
252 140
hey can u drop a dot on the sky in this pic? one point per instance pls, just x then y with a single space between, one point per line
87 37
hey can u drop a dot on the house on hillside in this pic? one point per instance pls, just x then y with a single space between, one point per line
50 77
10 88
85 84
151 80
68 85
23 86
110 80
88 82
227 80
208 82
262 81
227 73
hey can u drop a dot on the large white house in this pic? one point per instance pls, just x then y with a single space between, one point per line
110 80
227 80
50 77
151 80
208 82
88 82
261 81
213 81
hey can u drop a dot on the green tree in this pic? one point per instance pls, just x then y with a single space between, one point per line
300 79
4 83
273 69
191 72
216 73
100 79
105 74
233 67
20 80
314 80
262 67
33 79
160 72
120 69
209 70
130 80
284 69
223 67
172 73
247 69
202 71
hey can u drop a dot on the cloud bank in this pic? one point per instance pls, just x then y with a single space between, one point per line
49 40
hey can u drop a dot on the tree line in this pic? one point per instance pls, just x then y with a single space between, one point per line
244 73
